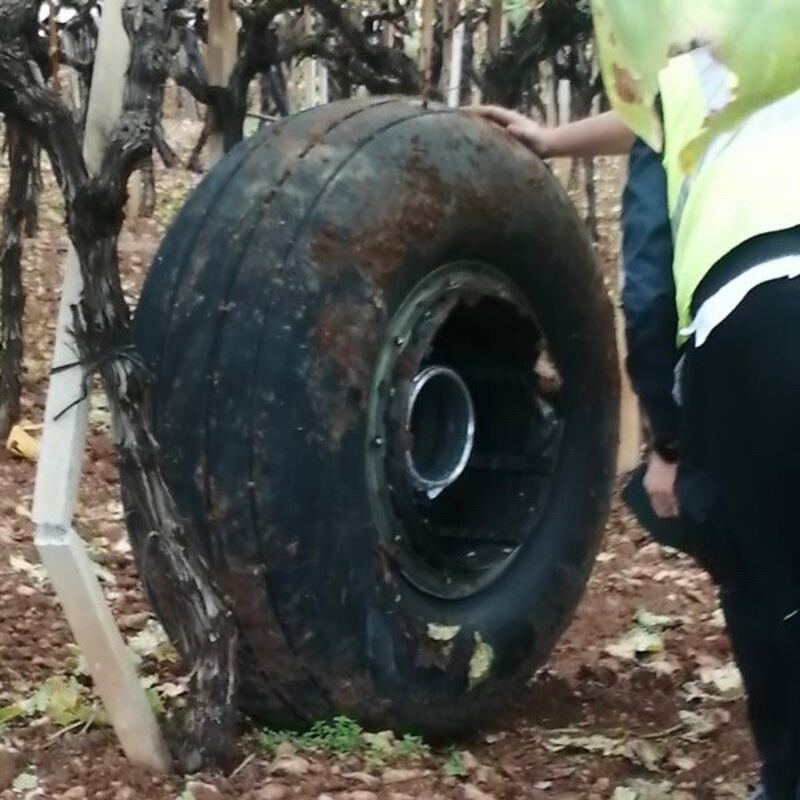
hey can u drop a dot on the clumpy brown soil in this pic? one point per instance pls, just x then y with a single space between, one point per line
652 723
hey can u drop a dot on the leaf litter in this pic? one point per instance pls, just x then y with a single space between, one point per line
643 639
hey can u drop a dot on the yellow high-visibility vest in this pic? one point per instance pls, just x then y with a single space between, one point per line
745 183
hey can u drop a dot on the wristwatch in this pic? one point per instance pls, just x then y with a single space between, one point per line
668 451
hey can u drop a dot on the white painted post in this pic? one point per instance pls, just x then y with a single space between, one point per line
549 84
564 102
324 88
310 80
456 58
58 472
310 64
220 60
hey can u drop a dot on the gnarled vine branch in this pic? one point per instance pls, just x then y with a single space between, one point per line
176 578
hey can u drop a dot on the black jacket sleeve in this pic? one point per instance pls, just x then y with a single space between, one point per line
648 292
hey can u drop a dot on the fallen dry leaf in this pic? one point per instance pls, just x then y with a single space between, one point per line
726 681
636 643
36 572
644 790
290 765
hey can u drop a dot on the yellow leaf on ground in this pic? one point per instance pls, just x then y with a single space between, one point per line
21 444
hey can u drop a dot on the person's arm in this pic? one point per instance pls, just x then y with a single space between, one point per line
651 318
605 134
648 293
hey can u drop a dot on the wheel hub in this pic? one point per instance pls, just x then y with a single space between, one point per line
463 433
440 429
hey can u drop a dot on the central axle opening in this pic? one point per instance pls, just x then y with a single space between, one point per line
441 427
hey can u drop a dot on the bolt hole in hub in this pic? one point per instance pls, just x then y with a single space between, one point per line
441 428
469 426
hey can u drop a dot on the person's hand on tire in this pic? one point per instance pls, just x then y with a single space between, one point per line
534 136
659 482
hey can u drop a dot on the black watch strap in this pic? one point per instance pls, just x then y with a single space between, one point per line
667 450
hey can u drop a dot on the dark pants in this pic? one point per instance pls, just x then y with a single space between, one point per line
741 393
769 660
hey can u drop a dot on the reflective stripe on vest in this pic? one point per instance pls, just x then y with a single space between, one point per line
743 185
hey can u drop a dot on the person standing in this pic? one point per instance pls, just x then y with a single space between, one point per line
711 261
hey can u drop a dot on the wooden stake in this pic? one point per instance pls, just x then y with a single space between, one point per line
220 60
550 85
324 90
449 15
630 420
564 96
310 64
59 468
453 95
426 46
388 31
495 26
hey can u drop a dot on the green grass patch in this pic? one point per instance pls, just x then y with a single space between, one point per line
343 736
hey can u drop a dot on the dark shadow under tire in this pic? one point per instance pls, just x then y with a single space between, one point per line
385 388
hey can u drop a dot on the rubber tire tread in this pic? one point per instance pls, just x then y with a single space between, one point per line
244 410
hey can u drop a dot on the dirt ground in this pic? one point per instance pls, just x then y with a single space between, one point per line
639 700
